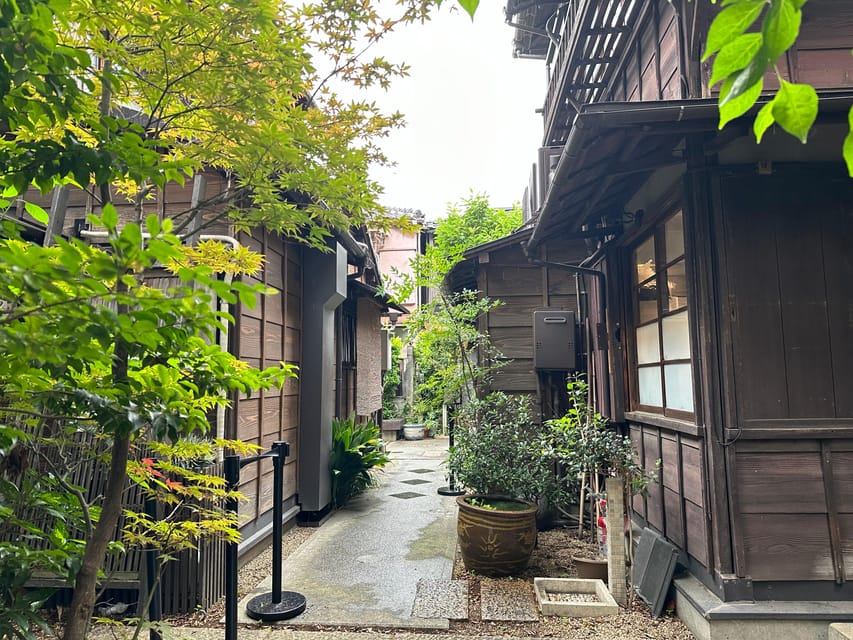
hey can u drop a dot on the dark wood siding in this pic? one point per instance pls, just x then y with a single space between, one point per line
506 275
268 334
789 278
675 504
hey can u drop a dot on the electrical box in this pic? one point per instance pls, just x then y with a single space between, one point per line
554 345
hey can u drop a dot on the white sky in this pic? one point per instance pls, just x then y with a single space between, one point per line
470 108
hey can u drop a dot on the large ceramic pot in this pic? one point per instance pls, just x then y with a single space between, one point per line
496 541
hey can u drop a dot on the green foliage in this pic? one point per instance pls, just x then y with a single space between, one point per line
584 445
744 55
452 356
356 452
91 355
498 450
391 381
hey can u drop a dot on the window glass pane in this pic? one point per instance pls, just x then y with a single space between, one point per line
647 302
648 344
650 387
644 261
676 285
676 337
679 386
674 232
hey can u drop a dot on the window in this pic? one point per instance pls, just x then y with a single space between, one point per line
664 379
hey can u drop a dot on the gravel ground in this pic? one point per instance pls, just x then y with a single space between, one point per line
552 558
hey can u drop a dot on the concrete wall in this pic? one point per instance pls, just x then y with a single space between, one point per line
369 353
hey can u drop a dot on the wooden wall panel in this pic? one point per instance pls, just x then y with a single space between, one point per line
789 275
780 482
636 434
845 522
697 533
693 464
787 546
837 234
842 468
515 312
827 24
513 342
673 506
509 281
670 471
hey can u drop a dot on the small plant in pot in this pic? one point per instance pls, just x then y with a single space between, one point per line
498 457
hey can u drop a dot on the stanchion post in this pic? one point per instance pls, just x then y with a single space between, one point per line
451 489
232 480
152 583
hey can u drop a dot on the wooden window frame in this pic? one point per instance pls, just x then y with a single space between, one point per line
658 231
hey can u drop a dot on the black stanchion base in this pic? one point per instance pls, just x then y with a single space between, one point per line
264 609
450 491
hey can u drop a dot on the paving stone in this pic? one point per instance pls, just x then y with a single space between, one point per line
415 481
406 495
507 601
441 599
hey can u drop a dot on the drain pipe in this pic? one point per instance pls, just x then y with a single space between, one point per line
224 307
602 302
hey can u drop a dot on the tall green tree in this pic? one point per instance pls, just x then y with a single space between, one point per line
444 332
121 97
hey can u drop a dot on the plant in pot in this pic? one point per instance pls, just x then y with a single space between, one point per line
587 449
497 456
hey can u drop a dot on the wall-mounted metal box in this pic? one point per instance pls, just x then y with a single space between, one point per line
554 345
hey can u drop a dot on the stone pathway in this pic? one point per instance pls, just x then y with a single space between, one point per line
386 560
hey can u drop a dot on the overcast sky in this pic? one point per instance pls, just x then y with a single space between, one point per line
470 108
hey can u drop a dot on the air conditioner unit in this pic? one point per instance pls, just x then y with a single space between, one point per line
548 159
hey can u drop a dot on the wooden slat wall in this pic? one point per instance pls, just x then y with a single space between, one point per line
651 68
789 276
522 288
675 504
790 280
268 334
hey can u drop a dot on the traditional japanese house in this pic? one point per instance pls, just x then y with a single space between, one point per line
722 304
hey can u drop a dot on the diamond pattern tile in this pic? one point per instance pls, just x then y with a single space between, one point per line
407 494
422 470
415 481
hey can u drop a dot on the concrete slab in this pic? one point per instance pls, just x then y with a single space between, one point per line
841 631
709 618
275 633
507 601
362 567
441 599
574 597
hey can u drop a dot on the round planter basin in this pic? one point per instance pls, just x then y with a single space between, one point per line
591 568
498 541
413 431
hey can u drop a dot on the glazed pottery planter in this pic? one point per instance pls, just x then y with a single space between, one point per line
498 541
413 431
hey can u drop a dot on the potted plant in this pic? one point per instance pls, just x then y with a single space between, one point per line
587 449
497 456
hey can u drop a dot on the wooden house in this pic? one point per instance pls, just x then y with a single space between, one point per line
722 299
324 318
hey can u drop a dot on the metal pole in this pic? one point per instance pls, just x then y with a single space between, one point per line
451 489
280 450
232 479
153 584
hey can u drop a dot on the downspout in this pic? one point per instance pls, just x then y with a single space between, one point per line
602 302
224 307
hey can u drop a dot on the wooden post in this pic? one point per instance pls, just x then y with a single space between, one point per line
615 518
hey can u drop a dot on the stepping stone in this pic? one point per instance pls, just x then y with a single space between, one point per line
511 601
406 495
415 481
441 599
422 470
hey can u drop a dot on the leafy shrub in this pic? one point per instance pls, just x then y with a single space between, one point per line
498 450
356 451
392 379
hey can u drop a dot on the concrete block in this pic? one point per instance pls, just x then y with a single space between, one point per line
584 598
841 631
